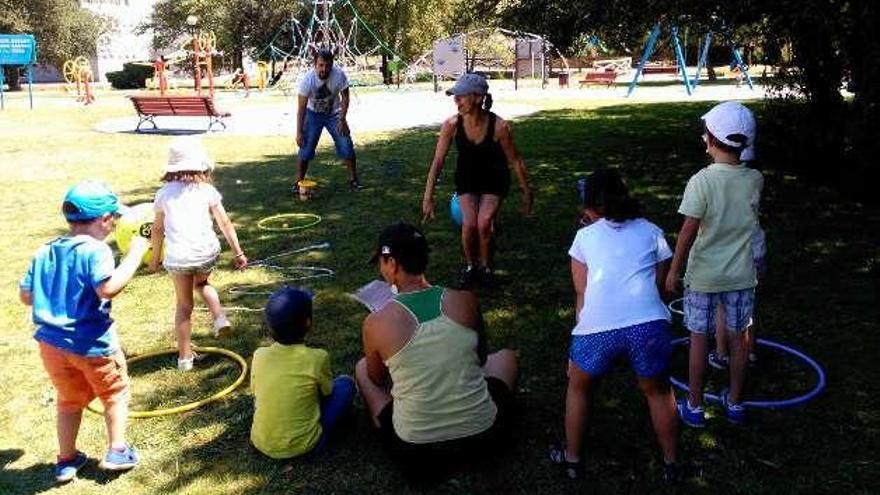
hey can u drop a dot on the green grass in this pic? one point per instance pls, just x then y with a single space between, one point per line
820 295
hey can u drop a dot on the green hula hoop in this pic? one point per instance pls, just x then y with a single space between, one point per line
314 220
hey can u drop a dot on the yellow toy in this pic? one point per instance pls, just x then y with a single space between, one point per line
137 220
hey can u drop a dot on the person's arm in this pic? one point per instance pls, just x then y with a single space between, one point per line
325 377
376 369
157 237
661 270
515 161
301 118
225 225
683 245
122 274
447 131
345 99
579 280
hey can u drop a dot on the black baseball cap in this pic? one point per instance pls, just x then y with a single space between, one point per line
405 243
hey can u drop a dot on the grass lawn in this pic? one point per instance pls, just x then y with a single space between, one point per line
820 295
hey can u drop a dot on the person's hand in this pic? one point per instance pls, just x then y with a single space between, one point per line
528 202
241 261
427 209
672 283
342 127
299 139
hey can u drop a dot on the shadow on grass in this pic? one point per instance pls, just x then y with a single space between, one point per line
822 269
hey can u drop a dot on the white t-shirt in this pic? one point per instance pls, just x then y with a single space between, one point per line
323 94
621 260
189 229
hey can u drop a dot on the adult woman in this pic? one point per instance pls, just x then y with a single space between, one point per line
486 152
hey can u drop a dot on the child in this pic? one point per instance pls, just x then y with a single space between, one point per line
720 205
184 207
296 403
69 284
617 264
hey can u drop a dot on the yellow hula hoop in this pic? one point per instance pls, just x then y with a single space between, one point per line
263 223
192 405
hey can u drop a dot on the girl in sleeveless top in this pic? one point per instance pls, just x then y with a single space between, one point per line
486 152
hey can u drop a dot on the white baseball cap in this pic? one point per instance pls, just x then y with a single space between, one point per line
733 124
186 154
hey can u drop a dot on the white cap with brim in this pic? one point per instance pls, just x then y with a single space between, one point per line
186 154
733 124
469 84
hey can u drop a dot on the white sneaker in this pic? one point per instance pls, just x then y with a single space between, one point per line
186 364
222 327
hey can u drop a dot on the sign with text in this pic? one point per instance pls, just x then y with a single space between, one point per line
18 49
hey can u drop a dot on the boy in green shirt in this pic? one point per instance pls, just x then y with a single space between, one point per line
296 400
720 206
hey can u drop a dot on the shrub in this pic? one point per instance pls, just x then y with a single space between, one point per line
132 76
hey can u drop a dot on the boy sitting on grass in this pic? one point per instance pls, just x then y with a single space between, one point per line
296 401
69 284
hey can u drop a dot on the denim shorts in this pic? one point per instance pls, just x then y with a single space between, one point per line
646 345
699 309
314 124
196 268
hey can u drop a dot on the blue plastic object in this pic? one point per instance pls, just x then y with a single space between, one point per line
455 209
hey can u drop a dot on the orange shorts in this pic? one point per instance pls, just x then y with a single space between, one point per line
79 379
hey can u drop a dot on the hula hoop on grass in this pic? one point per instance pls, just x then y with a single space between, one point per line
265 223
192 405
292 273
768 404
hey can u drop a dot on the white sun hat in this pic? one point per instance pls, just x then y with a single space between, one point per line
733 124
187 154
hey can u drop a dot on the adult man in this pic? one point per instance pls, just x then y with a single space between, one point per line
432 392
323 103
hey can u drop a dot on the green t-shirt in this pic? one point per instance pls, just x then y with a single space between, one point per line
725 198
288 382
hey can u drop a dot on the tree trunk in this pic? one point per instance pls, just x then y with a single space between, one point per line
10 77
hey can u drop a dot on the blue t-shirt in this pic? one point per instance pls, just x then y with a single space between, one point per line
68 313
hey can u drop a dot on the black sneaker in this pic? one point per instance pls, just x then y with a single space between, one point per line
673 474
485 276
355 185
467 277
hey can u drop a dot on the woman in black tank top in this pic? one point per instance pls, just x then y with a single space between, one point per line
486 153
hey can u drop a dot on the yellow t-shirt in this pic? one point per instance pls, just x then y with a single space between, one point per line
725 198
288 382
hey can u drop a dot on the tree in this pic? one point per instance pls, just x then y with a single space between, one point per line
62 28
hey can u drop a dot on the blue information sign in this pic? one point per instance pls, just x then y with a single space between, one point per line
18 49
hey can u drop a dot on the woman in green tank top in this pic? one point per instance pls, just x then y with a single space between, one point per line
431 390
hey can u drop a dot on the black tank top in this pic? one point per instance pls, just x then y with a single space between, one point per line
481 167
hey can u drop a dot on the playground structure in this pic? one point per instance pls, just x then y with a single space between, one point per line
645 67
78 77
295 43
241 79
18 49
489 51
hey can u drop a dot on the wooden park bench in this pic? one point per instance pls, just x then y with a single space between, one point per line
660 69
605 77
150 107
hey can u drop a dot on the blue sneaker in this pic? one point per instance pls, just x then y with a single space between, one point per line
736 413
66 470
120 461
691 416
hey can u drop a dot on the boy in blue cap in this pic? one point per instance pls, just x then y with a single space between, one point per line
69 283
296 400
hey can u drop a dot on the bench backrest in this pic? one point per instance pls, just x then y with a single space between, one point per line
174 105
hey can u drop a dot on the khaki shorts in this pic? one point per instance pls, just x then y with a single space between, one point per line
79 379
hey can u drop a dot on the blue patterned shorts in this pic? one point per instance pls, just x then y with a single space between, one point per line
646 345
699 309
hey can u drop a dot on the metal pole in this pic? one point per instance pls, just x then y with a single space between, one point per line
2 82
742 66
649 49
30 77
704 56
682 65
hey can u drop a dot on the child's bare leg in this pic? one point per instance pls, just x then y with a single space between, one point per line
661 402
68 429
115 416
183 288
697 368
578 399
737 364
208 294
720 341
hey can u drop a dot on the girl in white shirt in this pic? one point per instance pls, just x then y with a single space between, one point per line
617 264
184 209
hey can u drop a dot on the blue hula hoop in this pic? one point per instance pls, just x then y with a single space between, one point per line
767 404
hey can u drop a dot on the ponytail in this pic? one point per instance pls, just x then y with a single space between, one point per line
487 102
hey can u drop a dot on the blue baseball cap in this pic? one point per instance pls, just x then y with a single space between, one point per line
287 307
89 200
469 84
